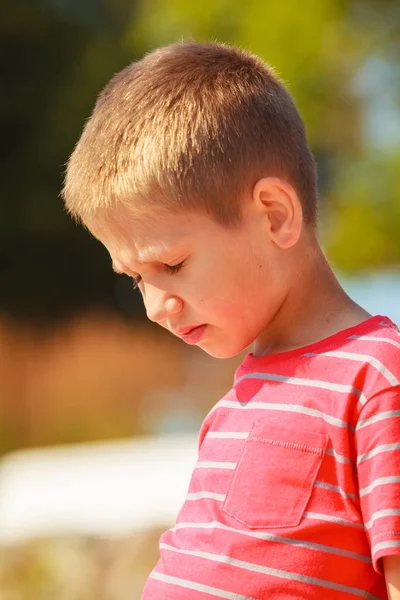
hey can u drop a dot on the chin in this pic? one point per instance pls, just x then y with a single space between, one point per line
223 351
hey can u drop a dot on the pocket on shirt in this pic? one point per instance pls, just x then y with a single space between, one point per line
274 477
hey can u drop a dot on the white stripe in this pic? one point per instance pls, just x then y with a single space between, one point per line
374 339
199 587
326 385
377 450
377 483
215 465
387 512
276 538
339 457
221 558
334 488
388 325
365 359
379 417
332 519
384 545
230 435
200 495
296 408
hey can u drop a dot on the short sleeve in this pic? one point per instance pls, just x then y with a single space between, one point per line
377 436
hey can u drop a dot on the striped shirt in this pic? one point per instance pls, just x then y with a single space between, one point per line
296 491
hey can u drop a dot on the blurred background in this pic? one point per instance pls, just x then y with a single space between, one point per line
90 392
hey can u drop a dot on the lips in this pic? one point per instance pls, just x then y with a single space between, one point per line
192 334
186 330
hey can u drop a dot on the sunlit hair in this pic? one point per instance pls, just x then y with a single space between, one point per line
190 126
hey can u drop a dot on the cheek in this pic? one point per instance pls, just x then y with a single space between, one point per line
225 290
226 308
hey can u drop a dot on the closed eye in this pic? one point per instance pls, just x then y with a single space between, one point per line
173 268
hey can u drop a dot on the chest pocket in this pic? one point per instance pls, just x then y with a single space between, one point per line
274 477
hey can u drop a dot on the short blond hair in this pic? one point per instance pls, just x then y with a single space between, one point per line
190 126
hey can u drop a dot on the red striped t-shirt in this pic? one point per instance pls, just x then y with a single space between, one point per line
296 491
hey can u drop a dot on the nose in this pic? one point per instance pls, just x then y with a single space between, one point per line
159 304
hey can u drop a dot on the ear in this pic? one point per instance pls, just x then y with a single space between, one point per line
278 204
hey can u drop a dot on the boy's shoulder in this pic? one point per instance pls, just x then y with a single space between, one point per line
377 341
365 357
376 338
358 363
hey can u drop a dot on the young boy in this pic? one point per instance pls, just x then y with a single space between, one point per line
195 173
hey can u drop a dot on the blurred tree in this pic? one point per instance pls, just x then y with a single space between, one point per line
334 55
55 57
368 224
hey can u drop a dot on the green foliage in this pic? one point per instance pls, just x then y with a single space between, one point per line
320 49
366 231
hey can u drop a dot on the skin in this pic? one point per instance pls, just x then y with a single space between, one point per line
391 568
264 284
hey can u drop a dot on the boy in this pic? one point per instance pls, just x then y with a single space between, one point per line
194 171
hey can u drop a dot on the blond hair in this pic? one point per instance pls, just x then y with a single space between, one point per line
190 126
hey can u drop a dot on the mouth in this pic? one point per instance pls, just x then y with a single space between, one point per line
193 334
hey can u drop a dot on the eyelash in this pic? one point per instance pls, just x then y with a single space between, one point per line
171 269
136 281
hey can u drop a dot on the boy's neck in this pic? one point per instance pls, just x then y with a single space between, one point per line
315 308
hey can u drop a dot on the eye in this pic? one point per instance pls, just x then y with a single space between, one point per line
173 268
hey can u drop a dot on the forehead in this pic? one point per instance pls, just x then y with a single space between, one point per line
140 238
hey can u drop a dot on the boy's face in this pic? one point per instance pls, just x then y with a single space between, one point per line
216 287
